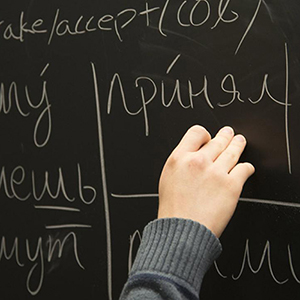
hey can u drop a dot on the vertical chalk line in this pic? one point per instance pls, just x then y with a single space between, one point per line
104 185
286 109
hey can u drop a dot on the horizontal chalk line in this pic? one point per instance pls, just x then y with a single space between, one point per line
67 226
57 208
271 202
135 196
252 200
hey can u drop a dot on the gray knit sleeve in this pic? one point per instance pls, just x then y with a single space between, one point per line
171 261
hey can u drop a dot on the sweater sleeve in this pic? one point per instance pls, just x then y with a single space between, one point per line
171 261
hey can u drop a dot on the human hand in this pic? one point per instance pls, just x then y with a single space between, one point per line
201 179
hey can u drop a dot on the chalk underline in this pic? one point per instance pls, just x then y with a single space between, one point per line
67 226
242 199
57 208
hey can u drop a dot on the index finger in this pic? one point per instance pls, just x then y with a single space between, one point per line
194 139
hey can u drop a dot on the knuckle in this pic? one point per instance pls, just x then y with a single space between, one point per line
174 158
231 155
218 144
217 175
197 161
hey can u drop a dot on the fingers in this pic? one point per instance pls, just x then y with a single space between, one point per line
219 143
224 149
230 156
194 139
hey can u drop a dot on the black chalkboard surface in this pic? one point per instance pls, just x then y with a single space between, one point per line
94 96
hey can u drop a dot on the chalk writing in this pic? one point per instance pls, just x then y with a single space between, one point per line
10 32
266 256
149 91
39 257
117 22
249 26
132 239
134 93
10 94
18 179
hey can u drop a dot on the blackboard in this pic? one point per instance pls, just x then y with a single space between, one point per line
94 96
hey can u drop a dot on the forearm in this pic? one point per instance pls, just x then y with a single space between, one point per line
172 259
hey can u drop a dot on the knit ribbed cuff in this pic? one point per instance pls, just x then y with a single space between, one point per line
177 248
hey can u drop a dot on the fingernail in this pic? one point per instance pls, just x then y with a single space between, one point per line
240 138
227 130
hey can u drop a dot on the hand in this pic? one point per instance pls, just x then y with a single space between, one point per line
201 179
